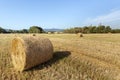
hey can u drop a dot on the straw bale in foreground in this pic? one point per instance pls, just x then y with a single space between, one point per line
27 52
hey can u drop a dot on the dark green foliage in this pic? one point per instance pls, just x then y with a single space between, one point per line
108 29
115 30
10 31
2 30
73 30
85 29
17 31
101 29
24 31
92 29
35 29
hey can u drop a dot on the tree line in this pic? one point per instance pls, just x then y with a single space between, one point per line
32 29
85 29
92 29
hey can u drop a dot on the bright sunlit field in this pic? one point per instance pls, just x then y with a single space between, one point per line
91 57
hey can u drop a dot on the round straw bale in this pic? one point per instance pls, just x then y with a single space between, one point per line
80 34
27 52
34 34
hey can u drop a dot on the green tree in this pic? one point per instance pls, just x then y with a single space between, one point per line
101 29
108 29
2 30
92 29
115 30
77 29
85 29
10 31
24 31
35 29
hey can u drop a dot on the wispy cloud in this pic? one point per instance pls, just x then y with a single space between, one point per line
112 18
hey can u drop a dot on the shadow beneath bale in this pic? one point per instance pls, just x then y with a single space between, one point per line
57 56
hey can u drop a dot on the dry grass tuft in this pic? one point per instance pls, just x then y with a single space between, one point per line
27 52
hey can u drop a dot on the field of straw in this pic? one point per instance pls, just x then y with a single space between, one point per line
91 57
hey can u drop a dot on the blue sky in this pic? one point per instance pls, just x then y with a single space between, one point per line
19 14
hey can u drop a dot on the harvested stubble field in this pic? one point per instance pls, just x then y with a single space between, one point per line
92 57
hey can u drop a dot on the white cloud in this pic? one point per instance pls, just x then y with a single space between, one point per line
113 18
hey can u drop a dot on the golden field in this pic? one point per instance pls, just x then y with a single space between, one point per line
92 57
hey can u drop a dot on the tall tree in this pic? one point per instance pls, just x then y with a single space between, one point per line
35 29
24 31
107 29
101 29
2 30
85 29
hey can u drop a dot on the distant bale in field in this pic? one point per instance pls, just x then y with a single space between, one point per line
27 52
109 33
56 32
61 32
80 34
49 32
34 34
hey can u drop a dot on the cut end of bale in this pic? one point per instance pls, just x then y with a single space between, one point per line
18 53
